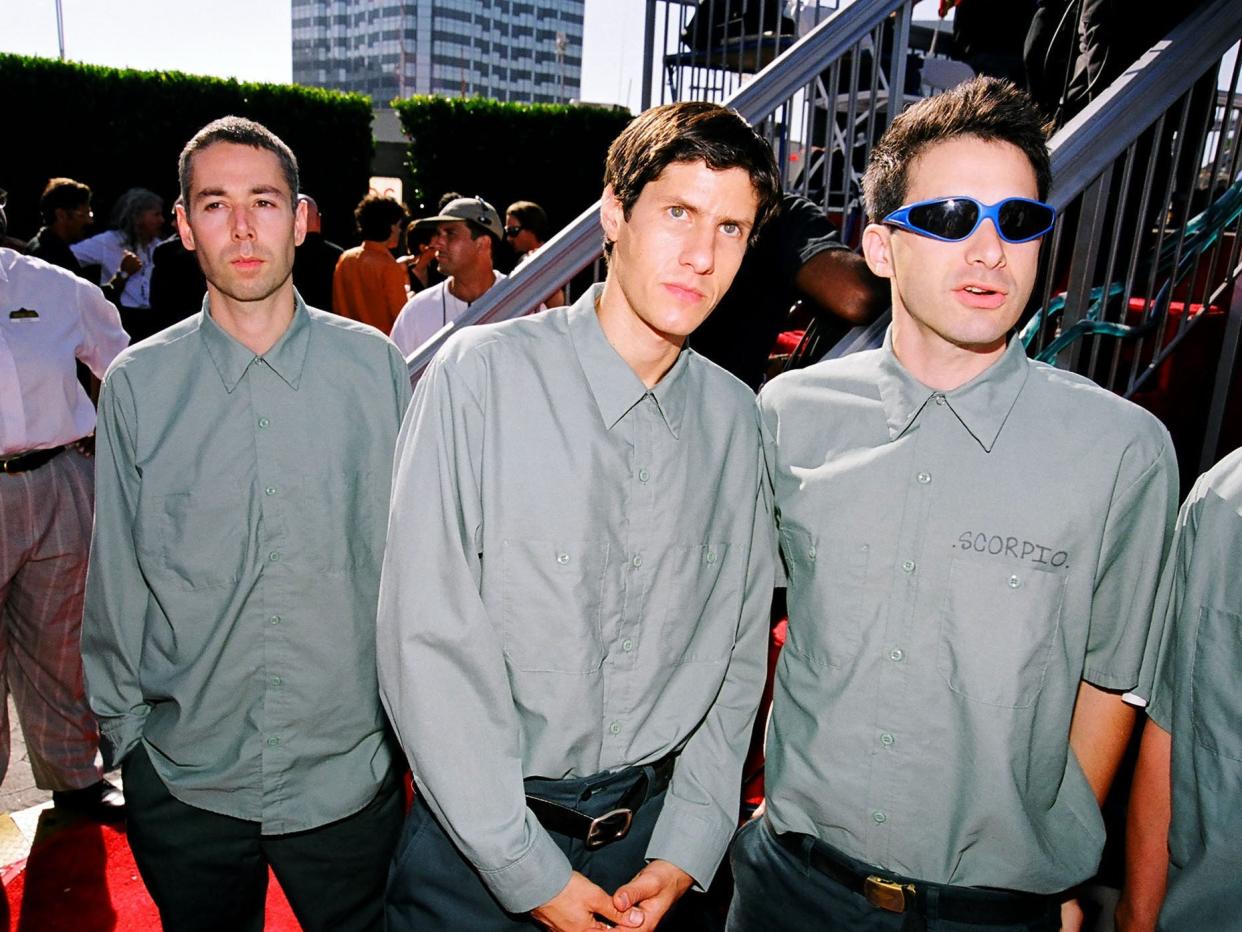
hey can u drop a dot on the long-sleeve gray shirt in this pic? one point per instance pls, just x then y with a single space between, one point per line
578 577
230 601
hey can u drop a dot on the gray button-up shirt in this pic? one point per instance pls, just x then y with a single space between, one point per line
230 603
957 562
1198 699
577 580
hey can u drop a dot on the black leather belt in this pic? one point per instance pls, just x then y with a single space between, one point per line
25 462
899 895
597 831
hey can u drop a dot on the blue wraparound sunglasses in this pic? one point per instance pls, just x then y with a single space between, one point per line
952 219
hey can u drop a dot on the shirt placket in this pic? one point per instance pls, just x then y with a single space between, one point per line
892 827
273 432
624 652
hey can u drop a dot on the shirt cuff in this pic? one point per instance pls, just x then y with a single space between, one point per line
118 736
534 878
684 838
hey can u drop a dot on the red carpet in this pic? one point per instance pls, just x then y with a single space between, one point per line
81 877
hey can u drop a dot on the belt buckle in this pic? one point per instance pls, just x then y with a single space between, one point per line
611 826
888 895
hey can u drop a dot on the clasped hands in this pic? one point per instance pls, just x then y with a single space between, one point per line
639 904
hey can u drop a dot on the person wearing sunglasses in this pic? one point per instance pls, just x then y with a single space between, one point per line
526 229
971 543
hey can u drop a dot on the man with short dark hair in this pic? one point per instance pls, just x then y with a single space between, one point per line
229 639
526 228
468 233
575 597
971 542
65 207
369 284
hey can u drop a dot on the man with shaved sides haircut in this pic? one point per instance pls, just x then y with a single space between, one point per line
229 640
574 605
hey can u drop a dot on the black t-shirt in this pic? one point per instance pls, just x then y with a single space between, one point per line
740 332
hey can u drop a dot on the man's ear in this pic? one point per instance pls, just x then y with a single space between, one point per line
183 228
299 222
611 214
877 249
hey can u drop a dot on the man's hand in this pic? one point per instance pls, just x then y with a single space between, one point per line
1071 915
577 907
652 892
130 263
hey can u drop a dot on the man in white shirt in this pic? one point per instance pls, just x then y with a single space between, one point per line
48 318
468 233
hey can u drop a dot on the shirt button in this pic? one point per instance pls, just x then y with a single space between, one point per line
272 742
275 680
263 422
274 620
907 566
924 477
897 655
643 475
615 728
939 398
711 556
562 558
637 561
273 556
1014 582
810 554
270 490
887 740
627 645
879 817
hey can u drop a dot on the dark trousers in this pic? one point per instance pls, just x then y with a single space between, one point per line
431 886
777 891
207 871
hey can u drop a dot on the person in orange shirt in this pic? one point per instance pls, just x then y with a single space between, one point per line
370 286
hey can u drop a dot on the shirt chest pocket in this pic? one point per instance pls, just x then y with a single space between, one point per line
998 626
827 595
199 537
700 592
1214 690
552 603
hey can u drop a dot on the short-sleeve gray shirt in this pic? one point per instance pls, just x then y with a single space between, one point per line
1197 698
957 562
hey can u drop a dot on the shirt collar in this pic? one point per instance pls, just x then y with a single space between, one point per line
982 404
614 385
286 358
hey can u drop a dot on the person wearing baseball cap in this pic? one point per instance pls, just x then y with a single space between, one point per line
468 232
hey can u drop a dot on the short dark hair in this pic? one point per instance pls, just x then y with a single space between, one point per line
62 194
986 108
531 216
242 132
375 215
419 234
690 131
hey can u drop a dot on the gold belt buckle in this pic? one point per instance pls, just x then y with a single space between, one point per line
888 894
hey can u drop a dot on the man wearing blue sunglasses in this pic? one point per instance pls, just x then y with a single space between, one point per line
971 542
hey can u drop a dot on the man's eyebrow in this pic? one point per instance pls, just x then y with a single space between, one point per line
257 189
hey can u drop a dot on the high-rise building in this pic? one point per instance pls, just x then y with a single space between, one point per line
514 50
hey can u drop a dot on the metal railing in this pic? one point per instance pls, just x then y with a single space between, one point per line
822 102
1150 198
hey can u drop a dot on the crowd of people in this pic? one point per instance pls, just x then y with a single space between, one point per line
544 580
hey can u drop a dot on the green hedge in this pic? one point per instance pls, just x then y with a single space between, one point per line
552 154
116 128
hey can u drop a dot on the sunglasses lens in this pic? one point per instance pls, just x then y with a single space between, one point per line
952 218
1021 220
